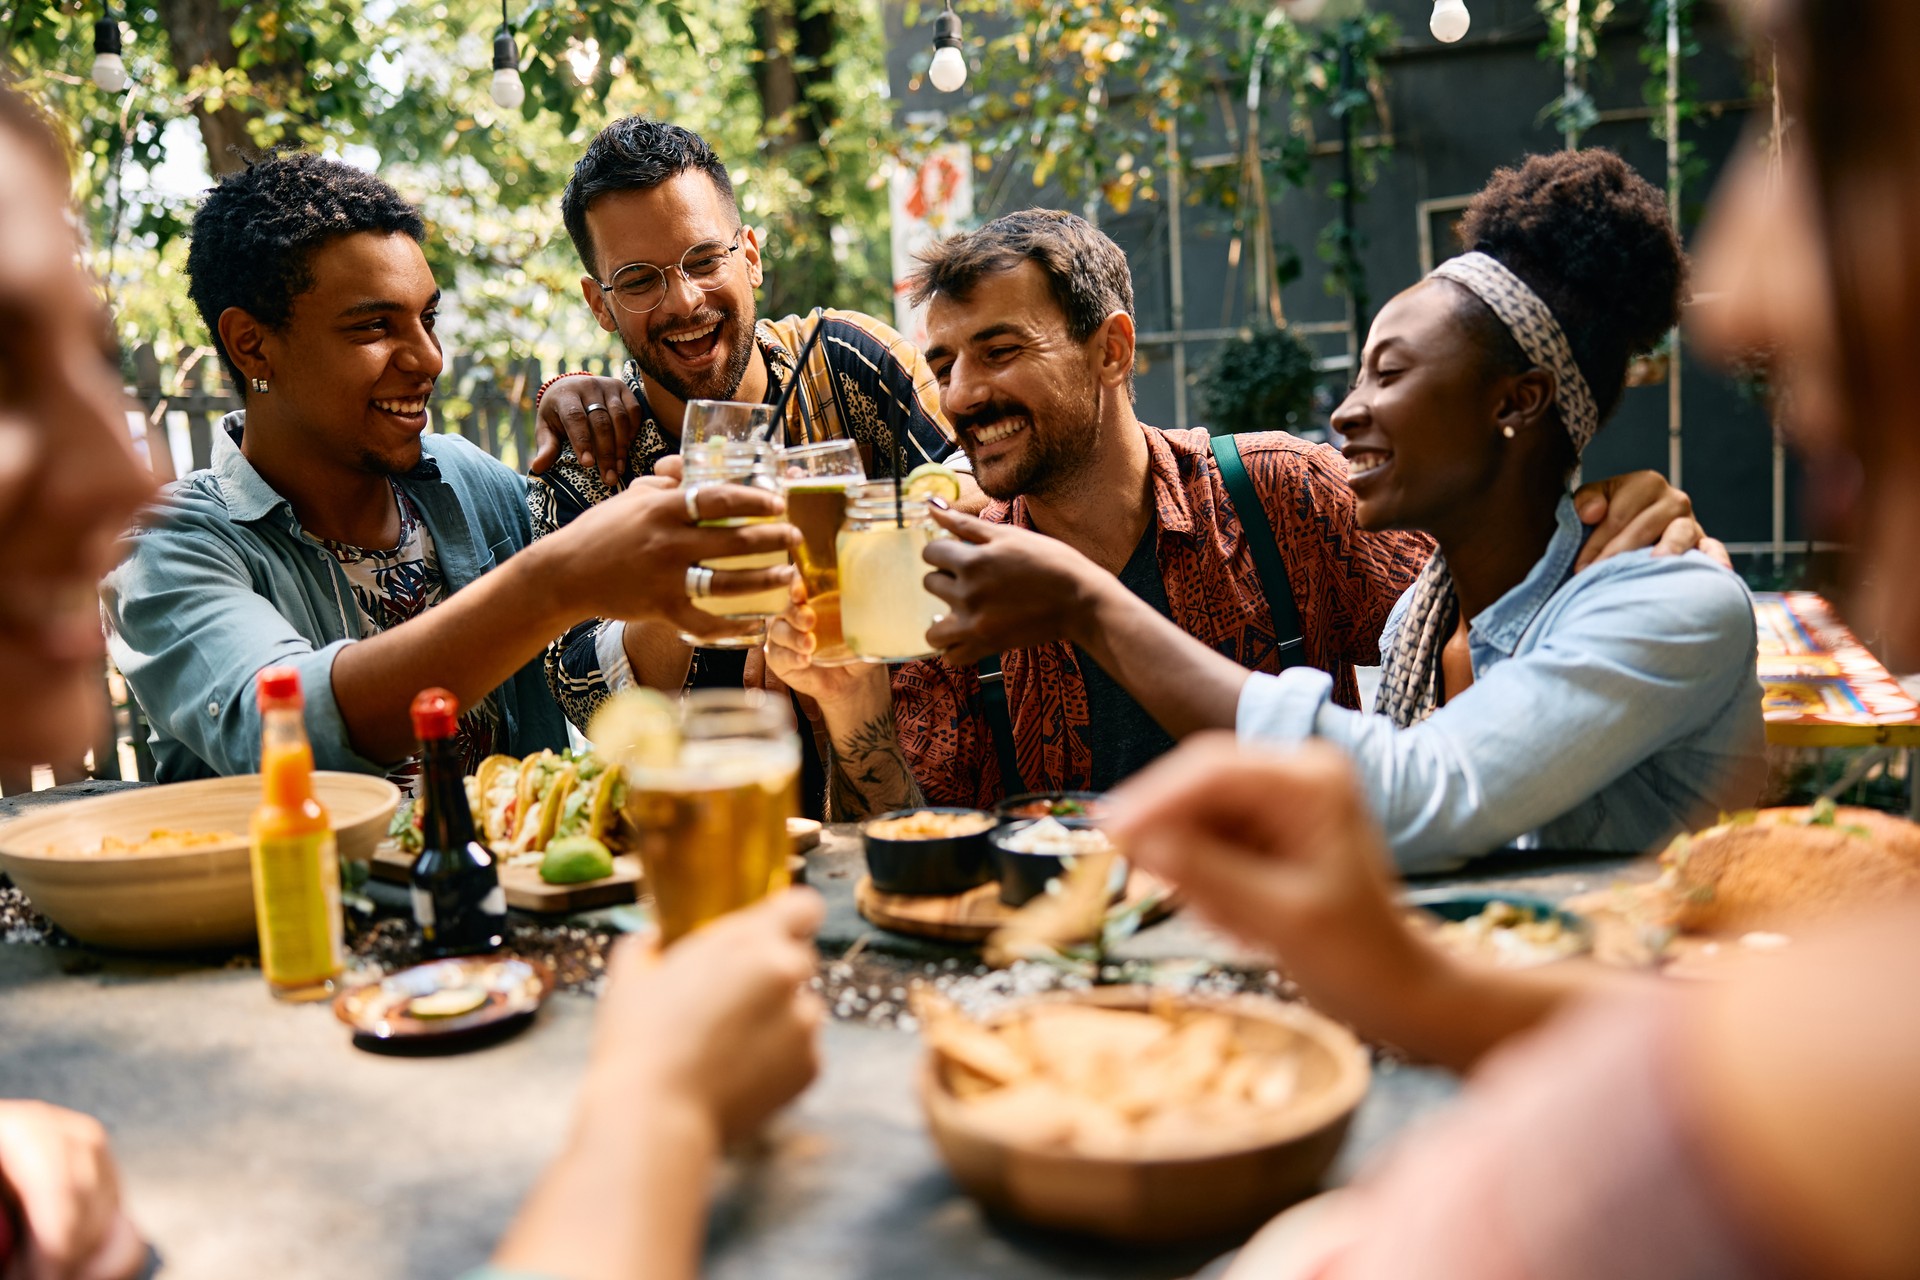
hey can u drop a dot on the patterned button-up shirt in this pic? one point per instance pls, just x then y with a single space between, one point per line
1345 582
863 382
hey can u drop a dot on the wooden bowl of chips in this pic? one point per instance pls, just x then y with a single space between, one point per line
1139 1116
167 868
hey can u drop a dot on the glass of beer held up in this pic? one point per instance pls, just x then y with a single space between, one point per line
711 808
817 478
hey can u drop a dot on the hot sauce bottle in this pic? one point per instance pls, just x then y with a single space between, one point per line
296 868
457 899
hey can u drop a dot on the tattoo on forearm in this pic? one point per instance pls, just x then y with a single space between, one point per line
870 773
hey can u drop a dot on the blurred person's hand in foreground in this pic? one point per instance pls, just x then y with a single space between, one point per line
59 1184
695 1047
721 1022
1279 848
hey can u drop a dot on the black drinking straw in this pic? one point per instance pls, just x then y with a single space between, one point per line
799 368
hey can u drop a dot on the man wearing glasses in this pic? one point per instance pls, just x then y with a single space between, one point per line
670 269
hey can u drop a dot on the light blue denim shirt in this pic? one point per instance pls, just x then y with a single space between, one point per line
1609 710
220 582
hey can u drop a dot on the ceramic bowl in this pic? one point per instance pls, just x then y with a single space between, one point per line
939 867
1454 904
186 901
1156 1201
1024 876
1041 804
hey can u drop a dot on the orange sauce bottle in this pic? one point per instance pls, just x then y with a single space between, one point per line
296 867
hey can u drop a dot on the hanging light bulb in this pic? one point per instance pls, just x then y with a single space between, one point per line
109 72
508 92
949 69
1450 20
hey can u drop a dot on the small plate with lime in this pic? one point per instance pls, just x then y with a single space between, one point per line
446 1003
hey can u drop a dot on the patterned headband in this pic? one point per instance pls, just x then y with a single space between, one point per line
1532 324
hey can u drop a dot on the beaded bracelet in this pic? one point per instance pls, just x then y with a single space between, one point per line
572 373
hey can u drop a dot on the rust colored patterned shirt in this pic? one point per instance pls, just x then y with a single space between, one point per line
1345 581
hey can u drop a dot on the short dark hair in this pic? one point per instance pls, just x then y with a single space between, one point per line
634 154
1595 240
1086 271
254 235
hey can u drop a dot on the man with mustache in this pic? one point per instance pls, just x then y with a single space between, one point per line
672 270
335 534
1031 338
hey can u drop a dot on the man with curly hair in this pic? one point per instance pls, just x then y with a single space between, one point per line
334 534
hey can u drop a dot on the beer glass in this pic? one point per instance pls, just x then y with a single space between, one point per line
728 442
817 478
712 812
885 607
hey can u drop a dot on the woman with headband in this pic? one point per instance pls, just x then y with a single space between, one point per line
1603 710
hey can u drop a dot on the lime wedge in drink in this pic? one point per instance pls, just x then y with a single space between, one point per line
638 727
931 480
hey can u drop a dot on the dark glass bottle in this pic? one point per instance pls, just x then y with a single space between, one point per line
457 899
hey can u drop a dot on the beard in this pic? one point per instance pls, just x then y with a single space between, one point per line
1058 445
653 355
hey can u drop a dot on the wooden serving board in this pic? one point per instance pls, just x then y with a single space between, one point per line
526 891
969 917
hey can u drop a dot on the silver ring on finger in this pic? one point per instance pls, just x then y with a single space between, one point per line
699 582
692 498
602 408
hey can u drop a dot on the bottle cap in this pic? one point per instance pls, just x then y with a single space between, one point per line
279 687
436 713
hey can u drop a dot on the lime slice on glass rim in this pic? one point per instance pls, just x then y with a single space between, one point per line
638 727
932 480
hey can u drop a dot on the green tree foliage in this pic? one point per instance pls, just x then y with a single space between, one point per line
798 111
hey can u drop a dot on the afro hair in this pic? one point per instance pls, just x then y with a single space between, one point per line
1594 240
254 235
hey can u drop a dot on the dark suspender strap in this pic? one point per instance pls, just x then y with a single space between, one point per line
1266 552
993 691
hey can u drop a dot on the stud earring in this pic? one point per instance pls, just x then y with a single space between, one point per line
1506 431
260 385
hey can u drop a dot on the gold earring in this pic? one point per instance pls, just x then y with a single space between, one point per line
260 385
1507 431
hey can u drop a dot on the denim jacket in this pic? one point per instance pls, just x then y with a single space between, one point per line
219 582
1609 710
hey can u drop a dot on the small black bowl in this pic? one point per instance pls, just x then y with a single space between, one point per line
1024 876
1092 802
939 867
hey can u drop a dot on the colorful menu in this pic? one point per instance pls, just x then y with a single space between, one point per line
1821 687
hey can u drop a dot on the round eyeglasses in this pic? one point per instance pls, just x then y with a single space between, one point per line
640 287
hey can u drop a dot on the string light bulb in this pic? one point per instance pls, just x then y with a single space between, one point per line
1450 20
508 92
109 70
949 69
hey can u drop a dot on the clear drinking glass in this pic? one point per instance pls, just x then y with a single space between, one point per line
817 478
728 442
885 607
713 821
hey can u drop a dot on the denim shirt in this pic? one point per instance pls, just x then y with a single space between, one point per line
1609 710
220 582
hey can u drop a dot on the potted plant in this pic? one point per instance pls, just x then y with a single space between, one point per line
1264 381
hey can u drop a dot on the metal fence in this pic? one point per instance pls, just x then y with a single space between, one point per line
182 405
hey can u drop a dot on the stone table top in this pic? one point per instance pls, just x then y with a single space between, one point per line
257 1141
